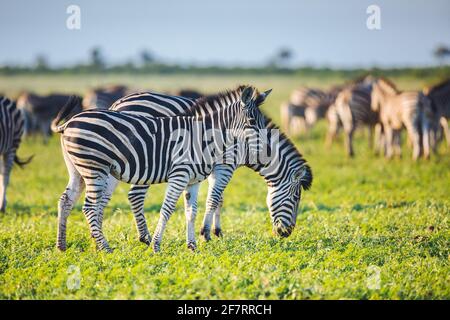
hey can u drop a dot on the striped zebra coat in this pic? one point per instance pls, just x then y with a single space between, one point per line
145 150
408 109
352 108
286 165
305 107
11 130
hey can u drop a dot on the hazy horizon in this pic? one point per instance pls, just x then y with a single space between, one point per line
233 33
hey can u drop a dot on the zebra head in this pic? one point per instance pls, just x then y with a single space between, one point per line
253 121
283 198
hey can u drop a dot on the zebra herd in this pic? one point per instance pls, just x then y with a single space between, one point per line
149 138
377 104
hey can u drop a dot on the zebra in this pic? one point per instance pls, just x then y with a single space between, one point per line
103 98
141 150
305 107
351 108
289 160
39 111
398 109
11 130
440 99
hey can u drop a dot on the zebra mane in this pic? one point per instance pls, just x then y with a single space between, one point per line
388 85
439 86
214 102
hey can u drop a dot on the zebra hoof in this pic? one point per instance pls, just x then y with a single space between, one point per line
147 239
192 246
205 233
156 248
61 248
108 250
218 232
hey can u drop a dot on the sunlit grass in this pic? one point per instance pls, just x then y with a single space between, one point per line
368 229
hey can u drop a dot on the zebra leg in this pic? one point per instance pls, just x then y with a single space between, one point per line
96 188
136 198
444 124
349 142
65 205
173 192
5 171
217 181
398 143
2 185
190 209
426 137
110 187
67 200
217 229
389 141
416 141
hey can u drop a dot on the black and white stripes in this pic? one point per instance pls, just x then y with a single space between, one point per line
144 150
11 130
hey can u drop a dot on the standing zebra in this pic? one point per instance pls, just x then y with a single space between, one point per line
351 109
11 130
305 107
440 98
39 111
397 109
144 150
280 172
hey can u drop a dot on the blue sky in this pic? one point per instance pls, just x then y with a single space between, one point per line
331 33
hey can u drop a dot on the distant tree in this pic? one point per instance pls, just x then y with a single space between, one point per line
282 58
147 57
96 58
41 62
441 53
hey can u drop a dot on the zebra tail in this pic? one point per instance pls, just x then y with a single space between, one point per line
71 108
306 177
22 162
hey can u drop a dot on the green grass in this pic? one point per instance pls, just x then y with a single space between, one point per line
368 229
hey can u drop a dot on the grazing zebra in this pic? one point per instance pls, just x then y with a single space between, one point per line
397 109
11 130
285 165
351 109
39 111
144 150
103 98
440 98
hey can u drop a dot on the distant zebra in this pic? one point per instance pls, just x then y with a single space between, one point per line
305 107
103 98
140 150
440 98
397 109
351 109
39 111
11 130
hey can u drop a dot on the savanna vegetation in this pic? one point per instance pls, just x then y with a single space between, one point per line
368 229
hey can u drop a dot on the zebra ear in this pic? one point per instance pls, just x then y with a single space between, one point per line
262 97
246 95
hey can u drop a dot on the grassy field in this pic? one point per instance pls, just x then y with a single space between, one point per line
368 229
